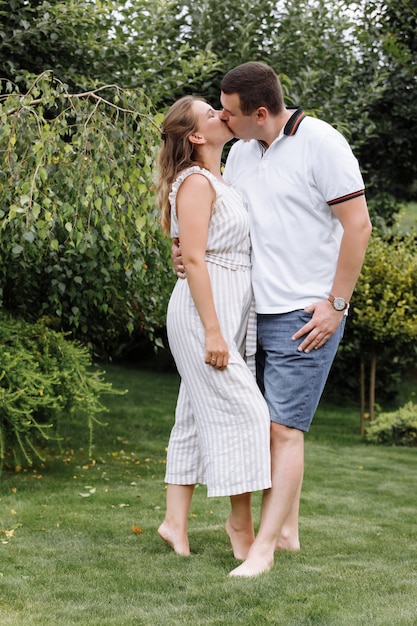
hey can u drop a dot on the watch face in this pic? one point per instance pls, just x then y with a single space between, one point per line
339 304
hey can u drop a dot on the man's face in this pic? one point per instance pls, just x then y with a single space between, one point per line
242 126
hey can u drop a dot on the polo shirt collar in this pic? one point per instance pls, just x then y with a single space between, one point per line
294 122
290 127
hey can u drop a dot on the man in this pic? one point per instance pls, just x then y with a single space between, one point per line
309 227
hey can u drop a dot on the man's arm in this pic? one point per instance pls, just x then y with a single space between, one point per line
176 257
354 217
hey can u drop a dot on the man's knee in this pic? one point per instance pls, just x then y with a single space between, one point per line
281 434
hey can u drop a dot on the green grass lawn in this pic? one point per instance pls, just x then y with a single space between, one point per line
69 553
408 220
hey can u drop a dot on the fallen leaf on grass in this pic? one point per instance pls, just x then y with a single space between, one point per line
9 533
136 530
87 494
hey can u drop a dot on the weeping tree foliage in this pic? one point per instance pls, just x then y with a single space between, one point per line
80 240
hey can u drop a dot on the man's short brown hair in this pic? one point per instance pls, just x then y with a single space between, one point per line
257 85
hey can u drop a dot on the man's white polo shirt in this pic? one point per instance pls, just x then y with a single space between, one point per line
289 190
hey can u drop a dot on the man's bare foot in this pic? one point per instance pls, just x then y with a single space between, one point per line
252 567
241 539
178 543
287 543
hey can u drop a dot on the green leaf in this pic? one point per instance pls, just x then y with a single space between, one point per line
28 236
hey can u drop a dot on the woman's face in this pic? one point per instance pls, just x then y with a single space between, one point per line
209 124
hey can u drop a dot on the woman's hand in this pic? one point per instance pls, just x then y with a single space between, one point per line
217 351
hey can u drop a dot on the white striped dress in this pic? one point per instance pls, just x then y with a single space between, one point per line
221 433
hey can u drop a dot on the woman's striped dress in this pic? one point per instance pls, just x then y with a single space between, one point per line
221 433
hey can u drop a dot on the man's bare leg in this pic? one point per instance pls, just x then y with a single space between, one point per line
239 525
173 529
287 457
289 537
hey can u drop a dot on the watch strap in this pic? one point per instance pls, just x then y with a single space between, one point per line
332 298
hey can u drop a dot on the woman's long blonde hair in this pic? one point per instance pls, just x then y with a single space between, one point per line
177 152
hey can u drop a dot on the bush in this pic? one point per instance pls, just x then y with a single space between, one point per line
395 428
44 381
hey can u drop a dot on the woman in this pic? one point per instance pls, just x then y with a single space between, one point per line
221 433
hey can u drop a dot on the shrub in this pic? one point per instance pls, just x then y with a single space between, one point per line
395 428
44 381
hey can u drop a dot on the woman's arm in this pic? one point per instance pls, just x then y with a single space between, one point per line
194 205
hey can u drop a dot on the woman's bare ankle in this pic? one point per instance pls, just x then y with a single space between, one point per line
241 538
177 540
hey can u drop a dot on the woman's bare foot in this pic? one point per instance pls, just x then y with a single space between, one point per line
253 566
240 538
176 540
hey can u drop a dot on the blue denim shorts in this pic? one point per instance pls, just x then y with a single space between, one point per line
292 382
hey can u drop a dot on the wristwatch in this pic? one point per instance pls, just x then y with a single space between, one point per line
339 304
